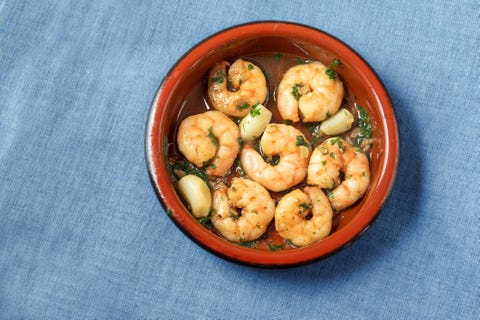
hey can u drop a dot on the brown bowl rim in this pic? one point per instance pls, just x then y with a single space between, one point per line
260 258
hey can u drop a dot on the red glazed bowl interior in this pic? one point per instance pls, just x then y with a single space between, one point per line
273 37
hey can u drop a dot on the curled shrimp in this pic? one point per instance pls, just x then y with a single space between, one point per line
248 83
257 210
304 217
209 139
307 89
293 150
333 161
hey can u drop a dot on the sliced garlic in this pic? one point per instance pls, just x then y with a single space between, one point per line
197 194
255 122
340 122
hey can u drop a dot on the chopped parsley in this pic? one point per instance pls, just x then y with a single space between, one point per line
274 247
331 73
219 78
178 168
243 106
301 141
305 206
209 164
248 244
339 142
364 125
329 194
240 142
277 56
335 62
203 221
255 110
295 92
212 137
250 66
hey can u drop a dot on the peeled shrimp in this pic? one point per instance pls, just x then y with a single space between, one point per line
293 150
332 159
307 89
304 217
209 139
257 210
249 87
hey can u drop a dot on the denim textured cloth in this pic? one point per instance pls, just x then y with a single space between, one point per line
82 234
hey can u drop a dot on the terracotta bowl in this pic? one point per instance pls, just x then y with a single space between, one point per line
276 38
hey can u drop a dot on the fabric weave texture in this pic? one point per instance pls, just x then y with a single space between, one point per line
83 235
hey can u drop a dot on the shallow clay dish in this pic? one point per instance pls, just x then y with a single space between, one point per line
273 38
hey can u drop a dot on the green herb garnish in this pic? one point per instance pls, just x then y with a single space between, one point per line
274 247
212 137
240 142
364 125
204 220
184 167
219 78
295 92
240 170
243 106
301 141
329 194
332 74
339 142
305 206
248 244
335 62
255 110
209 164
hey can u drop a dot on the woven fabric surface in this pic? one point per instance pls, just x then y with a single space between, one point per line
83 235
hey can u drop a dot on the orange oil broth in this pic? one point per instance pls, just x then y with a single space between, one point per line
274 67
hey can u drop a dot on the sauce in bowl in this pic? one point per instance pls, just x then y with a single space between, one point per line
274 65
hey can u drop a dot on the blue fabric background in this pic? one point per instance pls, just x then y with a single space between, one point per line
82 234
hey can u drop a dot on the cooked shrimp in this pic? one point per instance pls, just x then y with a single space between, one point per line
293 150
304 217
257 210
308 89
209 139
249 87
333 159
